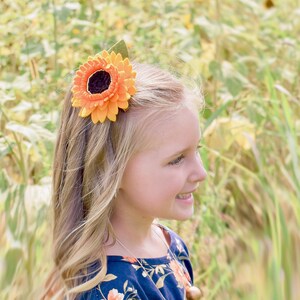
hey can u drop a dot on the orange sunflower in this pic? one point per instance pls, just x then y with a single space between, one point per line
102 85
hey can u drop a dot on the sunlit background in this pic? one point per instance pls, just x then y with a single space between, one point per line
244 239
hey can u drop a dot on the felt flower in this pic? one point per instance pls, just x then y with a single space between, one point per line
102 85
115 295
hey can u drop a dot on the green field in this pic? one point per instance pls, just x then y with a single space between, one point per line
244 238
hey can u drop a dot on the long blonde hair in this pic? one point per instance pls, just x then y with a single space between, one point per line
88 167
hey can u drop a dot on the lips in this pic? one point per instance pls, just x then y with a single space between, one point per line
187 195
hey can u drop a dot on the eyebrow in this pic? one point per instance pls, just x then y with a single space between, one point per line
182 151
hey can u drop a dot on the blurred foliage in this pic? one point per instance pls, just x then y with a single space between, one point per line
245 236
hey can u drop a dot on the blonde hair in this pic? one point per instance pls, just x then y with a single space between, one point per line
88 167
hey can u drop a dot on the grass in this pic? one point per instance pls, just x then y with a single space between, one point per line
245 236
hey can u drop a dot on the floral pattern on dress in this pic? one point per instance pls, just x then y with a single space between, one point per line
115 295
181 275
129 293
172 268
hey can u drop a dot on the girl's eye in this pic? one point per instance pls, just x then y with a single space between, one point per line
177 160
180 158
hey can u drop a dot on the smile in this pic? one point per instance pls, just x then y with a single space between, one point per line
184 196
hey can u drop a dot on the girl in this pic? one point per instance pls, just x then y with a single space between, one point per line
126 154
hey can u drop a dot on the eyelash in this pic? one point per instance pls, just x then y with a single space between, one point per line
178 160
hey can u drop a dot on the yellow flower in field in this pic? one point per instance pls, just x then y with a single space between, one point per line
102 85
76 31
187 21
223 132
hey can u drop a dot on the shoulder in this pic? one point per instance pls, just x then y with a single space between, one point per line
180 250
176 242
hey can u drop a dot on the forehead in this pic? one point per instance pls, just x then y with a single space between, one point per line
170 133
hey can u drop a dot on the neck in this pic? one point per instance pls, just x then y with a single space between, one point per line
137 234
135 230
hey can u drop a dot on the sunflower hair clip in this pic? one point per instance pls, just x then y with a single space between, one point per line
104 84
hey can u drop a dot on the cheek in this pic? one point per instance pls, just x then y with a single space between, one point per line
139 180
147 180
166 184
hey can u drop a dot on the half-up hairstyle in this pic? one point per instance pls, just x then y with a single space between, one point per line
89 163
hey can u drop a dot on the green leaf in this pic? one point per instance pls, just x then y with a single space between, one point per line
120 47
215 69
12 258
234 85
25 131
217 113
3 180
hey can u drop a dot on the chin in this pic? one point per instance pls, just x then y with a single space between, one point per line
183 216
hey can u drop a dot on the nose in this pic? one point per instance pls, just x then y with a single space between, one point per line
198 172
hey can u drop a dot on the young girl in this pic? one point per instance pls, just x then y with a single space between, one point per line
126 154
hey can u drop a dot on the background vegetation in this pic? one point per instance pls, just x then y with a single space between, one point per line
244 238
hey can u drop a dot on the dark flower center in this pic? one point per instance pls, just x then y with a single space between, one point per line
99 82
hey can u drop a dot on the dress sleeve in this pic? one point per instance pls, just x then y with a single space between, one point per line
187 262
181 251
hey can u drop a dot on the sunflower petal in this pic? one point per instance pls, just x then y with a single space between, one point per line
94 116
113 108
104 53
132 90
123 104
118 59
111 116
83 68
114 98
103 107
122 89
76 102
113 57
127 96
102 115
84 112
129 82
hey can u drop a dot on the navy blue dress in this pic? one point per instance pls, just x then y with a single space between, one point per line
160 278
